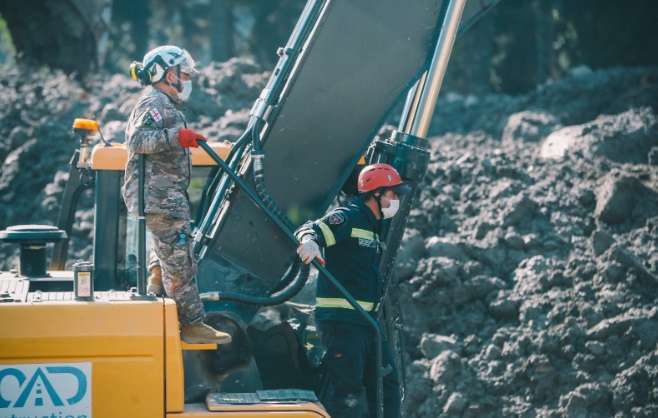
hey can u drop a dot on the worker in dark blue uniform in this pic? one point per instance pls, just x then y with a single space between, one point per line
349 236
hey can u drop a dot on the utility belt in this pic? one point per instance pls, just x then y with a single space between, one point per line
342 303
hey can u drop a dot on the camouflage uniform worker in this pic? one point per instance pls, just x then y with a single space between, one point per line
157 130
350 236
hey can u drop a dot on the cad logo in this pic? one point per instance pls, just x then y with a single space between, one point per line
45 390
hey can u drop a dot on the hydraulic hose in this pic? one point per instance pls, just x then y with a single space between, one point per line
238 145
258 159
233 158
296 284
295 277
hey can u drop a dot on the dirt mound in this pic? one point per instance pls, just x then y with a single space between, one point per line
535 293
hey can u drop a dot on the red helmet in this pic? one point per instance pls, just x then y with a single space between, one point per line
376 176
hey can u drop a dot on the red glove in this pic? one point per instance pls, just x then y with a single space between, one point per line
189 138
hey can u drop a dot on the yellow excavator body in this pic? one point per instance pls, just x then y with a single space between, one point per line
117 345
114 357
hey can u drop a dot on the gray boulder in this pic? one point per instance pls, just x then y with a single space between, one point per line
619 196
521 210
601 241
431 345
442 247
529 126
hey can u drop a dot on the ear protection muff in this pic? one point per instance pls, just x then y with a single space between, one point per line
138 73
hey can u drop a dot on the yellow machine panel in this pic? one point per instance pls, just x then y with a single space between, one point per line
115 156
104 358
174 374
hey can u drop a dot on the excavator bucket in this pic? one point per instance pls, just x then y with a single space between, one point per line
358 59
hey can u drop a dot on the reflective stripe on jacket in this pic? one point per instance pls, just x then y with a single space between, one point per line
350 238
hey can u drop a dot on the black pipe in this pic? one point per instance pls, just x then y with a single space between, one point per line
239 143
79 180
233 157
258 166
141 224
276 298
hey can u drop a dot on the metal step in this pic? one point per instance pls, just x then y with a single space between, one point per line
218 402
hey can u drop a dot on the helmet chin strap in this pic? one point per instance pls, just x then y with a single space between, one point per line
177 85
378 199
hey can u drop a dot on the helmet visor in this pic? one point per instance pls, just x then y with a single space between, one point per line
401 189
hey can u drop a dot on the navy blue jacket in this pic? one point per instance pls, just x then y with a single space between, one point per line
350 238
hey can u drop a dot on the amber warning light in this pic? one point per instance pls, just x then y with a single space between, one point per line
85 129
86 125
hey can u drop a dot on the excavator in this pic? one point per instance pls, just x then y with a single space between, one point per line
90 341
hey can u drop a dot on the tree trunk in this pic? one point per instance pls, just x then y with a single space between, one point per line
221 30
67 34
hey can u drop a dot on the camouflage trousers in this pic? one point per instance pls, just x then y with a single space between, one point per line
173 249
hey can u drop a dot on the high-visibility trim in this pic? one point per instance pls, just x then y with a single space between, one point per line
341 303
362 233
329 238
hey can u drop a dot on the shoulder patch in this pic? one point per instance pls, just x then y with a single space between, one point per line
335 218
155 115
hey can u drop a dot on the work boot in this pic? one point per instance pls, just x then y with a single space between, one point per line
155 281
203 334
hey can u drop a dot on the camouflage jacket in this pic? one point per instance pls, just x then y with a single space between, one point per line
152 130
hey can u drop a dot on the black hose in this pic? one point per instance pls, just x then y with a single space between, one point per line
288 277
258 160
291 283
278 297
240 142
233 158
235 149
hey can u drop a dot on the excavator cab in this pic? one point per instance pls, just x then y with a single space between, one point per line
92 342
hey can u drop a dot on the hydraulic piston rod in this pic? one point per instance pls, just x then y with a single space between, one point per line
431 85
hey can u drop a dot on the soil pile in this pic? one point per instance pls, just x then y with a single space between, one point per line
529 272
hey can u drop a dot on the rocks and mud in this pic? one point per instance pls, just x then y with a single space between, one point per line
528 275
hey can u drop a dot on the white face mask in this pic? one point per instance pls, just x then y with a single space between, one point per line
184 94
391 210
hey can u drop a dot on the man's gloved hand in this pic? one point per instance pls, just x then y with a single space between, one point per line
309 250
189 138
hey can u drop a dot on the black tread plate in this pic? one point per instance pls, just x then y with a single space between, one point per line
261 396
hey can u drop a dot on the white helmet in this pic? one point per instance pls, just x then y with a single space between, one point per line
157 61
